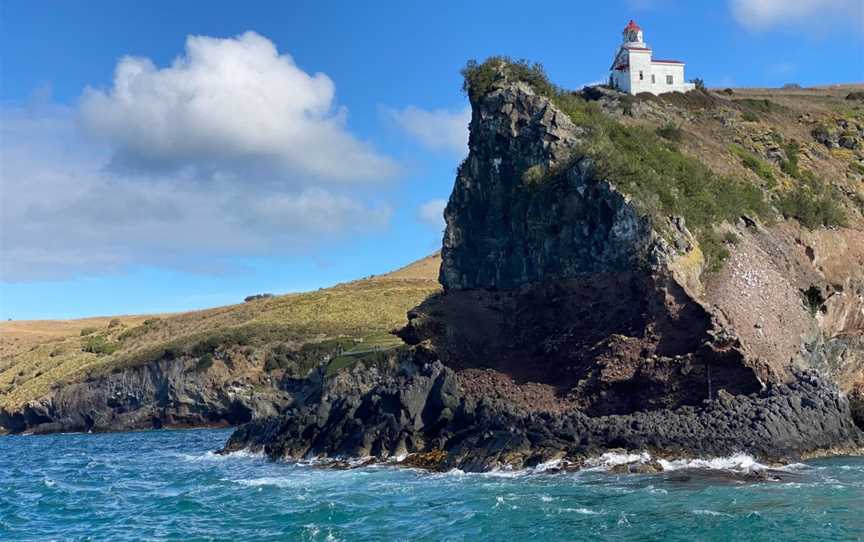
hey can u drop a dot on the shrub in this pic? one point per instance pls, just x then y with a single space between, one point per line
534 175
790 165
479 78
731 238
139 331
856 95
115 322
256 297
749 116
811 209
754 164
88 331
759 105
97 344
700 84
671 132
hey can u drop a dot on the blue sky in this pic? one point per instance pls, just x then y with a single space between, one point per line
287 146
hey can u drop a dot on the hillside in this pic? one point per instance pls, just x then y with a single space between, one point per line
39 357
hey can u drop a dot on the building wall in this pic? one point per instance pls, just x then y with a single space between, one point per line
640 61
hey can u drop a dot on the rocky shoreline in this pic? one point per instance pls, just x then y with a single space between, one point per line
421 412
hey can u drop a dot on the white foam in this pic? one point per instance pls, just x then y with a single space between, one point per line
212 456
735 462
267 481
613 459
583 511
705 512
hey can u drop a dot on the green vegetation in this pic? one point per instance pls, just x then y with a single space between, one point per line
139 331
753 108
755 164
354 315
88 331
98 344
671 132
811 202
812 207
662 180
479 78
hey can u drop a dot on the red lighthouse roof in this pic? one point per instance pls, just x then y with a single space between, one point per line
632 26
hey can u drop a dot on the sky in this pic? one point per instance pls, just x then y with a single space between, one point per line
163 156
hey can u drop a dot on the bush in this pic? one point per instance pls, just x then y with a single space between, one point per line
856 95
671 132
749 116
88 331
759 105
115 322
256 297
97 344
479 78
790 165
754 164
139 331
811 209
700 84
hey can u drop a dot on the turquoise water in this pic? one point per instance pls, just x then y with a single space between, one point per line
167 485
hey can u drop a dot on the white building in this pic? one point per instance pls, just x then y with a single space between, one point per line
634 70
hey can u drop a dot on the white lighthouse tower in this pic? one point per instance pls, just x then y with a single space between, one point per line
634 70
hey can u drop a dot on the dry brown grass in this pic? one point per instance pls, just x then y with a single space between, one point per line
36 355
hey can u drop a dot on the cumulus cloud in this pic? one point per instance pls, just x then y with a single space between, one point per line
231 106
176 182
438 129
764 14
432 213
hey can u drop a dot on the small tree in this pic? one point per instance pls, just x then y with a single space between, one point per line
700 84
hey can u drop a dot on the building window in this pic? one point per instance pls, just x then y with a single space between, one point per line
653 79
641 77
668 79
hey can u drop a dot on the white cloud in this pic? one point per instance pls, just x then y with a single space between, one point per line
191 193
432 213
814 14
439 129
228 107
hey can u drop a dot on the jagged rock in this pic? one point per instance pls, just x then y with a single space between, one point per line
568 325
423 410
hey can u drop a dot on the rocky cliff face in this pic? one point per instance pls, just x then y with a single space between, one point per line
563 280
574 321
166 393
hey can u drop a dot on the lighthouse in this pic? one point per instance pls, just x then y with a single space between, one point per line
634 69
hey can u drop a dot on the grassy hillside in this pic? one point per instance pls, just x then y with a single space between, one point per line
713 156
36 355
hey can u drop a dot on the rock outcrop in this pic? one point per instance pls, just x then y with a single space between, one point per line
165 393
422 411
563 280
572 321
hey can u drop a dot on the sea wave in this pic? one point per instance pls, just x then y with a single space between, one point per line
213 456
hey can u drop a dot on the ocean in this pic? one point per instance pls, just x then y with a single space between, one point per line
168 485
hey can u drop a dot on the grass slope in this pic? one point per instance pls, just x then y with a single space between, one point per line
37 355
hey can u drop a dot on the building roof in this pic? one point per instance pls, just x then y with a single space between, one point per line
632 26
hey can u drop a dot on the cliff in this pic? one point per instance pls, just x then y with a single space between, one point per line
623 272
221 366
